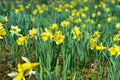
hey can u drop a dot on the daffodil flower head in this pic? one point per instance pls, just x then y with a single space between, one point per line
33 33
22 40
28 66
58 37
17 75
47 34
2 31
15 30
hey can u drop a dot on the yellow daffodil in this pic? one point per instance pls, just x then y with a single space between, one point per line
98 13
28 66
65 23
115 50
54 26
59 9
71 18
93 15
85 1
46 35
77 20
2 31
83 15
76 33
35 11
95 6
100 47
23 70
58 37
93 42
97 34
17 11
41 11
33 33
117 25
86 8
17 75
109 19
83 26
5 19
116 37
15 30
22 40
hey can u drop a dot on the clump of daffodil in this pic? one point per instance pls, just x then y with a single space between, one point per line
100 47
33 33
102 4
2 31
40 9
117 25
75 13
15 30
77 34
44 7
93 43
65 23
46 35
116 37
115 50
58 37
58 9
28 6
21 7
22 40
54 26
25 69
